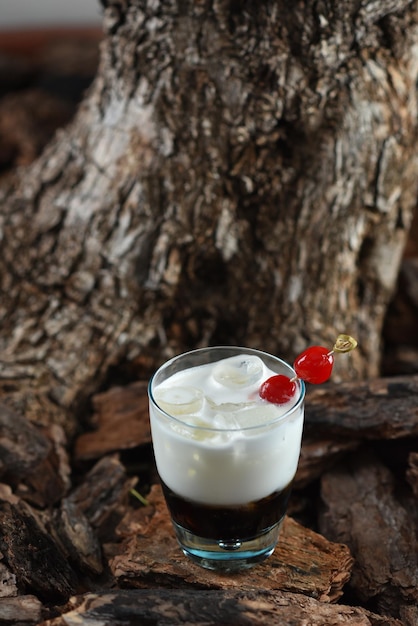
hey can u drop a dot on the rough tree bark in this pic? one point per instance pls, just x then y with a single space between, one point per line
238 173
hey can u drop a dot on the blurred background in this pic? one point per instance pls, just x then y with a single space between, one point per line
49 51
35 13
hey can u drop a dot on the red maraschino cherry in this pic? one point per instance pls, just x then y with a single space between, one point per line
278 389
313 365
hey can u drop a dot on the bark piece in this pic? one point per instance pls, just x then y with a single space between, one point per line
212 608
121 416
21 610
32 554
362 510
50 480
103 489
381 408
303 562
33 459
78 538
8 587
22 445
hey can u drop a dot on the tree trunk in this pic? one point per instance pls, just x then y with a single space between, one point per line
239 173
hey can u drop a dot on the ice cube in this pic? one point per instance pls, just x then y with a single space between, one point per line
179 400
196 428
226 407
239 371
203 429
257 415
225 421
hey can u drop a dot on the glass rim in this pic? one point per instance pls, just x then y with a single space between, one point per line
197 427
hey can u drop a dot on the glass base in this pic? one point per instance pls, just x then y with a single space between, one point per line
229 555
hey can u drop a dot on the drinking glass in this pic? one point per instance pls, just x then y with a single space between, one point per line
225 457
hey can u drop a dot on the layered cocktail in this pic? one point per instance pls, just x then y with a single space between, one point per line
226 457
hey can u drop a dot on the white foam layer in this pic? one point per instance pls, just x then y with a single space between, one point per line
224 447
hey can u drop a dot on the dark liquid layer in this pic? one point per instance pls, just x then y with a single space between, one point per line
227 522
